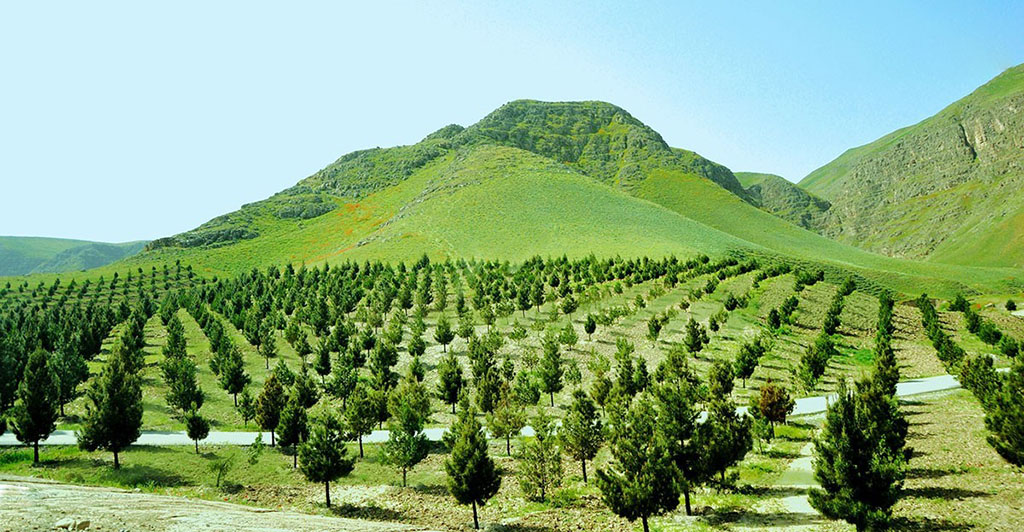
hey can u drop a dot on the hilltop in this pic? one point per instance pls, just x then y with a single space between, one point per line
23 255
531 178
784 199
947 189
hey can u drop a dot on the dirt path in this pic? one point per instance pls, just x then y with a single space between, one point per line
32 504
800 475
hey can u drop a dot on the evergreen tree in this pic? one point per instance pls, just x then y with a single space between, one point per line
550 370
773 403
196 427
641 480
324 456
267 346
695 337
540 460
443 332
269 405
590 326
344 377
183 392
293 428
360 414
508 417
322 365
1006 418
69 370
472 476
720 379
747 360
724 438
113 420
582 432
247 407
175 346
677 424
407 445
383 359
34 415
860 458
233 377
306 389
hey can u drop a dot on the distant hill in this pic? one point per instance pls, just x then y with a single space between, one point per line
530 178
948 189
784 199
24 255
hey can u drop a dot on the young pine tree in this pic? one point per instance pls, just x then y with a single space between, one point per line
540 460
409 406
472 477
113 420
293 429
324 457
35 413
550 370
196 427
269 405
582 432
641 480
508 417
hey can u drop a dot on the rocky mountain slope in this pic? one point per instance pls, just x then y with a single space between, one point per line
948 189
784 199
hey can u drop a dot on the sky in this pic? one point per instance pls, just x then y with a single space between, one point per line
136 120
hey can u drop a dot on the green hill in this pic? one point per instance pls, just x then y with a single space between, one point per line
947 189
22 255
778 196
531 178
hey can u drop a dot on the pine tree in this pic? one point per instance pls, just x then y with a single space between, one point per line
113 421
233 377
450 384
175 346
360 414
472 476
641 480
196 427
860 458
34 415
246 407
676 424
293 428
508 417
724 438
590 326
407 445
540 460
582 432
747 360
267 346
1006 418
443 332
695 337
323 456
269 405
550 370
322 365
69 370
183 392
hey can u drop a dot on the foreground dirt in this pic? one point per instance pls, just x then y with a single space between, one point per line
32 504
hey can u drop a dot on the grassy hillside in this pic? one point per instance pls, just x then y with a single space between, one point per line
947 189
778 196
530 178
23 255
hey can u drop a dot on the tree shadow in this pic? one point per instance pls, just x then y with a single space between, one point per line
935 492
765 520
926 524
372 513
918 472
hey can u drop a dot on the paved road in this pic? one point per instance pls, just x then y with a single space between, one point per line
804 406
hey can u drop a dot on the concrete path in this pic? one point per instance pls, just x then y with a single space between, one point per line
804 406
799 475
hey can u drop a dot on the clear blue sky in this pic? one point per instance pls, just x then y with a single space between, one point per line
137 120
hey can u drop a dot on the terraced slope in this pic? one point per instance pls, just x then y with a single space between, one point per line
948 189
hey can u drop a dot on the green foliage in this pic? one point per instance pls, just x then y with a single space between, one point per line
1005 417
196 427
324 457
113 419
539 461
35 413
472 475
582 431
641 479
409 406
269 405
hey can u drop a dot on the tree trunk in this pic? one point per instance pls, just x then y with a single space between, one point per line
327 493
360 446
686 496
295 460
271 438
117 464
403 477
236 399
584 462
267 359
644 520
453 409
35 452
62 409
552 399
508 445
476 523
197 446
